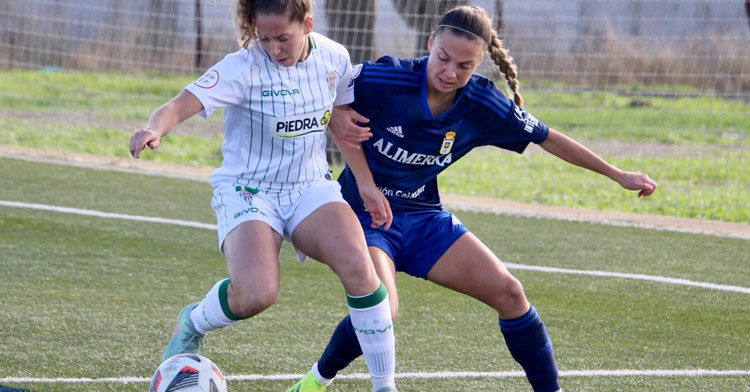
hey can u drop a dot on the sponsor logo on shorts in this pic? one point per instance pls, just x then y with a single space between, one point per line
209 80
251 210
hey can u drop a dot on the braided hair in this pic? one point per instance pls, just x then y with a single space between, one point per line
474 23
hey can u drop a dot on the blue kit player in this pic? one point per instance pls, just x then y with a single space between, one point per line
418 117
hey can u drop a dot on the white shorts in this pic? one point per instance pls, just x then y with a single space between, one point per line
235 205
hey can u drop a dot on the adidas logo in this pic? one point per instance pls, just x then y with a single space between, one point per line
396 131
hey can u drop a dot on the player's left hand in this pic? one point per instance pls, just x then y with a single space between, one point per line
377 205
636 181
345 129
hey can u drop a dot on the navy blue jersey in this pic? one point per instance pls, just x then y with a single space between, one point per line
410 146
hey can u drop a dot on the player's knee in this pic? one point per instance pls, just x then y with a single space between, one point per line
251 302
514 290
354 266
509 294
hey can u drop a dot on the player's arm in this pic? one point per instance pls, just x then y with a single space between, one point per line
344 128
573 152
376 203
163 120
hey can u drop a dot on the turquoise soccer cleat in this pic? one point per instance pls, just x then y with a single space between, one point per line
388 389
185 338
307 384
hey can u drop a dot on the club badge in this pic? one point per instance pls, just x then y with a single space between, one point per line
450 137
247 193
332 83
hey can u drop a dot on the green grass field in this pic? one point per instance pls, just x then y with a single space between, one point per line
87 297
695 148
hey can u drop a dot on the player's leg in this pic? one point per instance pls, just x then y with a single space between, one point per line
471 268
343 347
251 251
251 248
332 234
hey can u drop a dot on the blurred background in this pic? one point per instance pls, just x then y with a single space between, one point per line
659 86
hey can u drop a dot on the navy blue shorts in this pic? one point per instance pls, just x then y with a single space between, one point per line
416 240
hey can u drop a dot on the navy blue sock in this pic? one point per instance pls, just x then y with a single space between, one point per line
342 349
530 346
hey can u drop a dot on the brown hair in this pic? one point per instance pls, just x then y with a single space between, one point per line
474 23
297 10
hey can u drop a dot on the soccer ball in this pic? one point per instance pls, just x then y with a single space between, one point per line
188 373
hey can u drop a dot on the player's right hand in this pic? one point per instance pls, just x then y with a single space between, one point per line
636 181
143 138
345 129
377 205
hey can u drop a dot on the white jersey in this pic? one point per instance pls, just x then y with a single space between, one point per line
276 117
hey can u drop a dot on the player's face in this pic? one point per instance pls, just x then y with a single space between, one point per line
285 41
453 60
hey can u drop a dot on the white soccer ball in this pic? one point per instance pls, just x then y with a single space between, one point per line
188 373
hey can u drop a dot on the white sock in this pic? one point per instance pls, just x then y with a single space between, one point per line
371 318
321 379
210 314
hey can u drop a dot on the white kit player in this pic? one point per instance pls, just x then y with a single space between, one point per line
278 91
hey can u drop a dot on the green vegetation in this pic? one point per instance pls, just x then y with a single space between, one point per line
94 298
121 96
679 121
695 148
101 140
714 187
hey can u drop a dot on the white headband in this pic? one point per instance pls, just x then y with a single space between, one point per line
465 31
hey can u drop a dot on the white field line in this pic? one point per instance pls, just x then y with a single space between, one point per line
99 214
660 279
412 375
574 373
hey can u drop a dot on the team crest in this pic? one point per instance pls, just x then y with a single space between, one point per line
450 137
247 193
332 83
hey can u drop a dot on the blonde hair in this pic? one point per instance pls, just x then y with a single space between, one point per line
474 23
247 10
